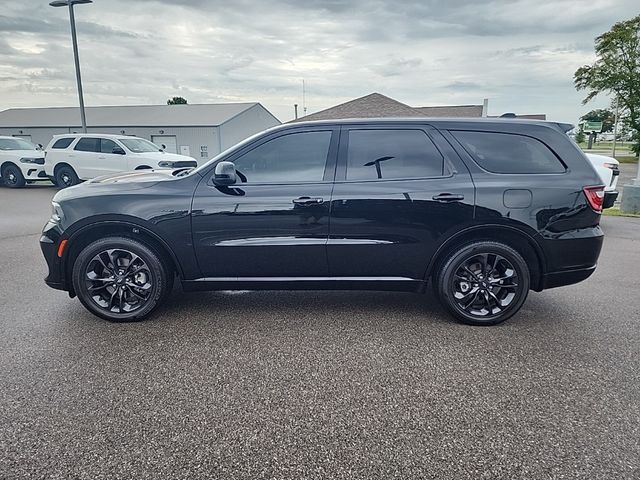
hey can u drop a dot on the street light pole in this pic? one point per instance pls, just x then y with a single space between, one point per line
74 40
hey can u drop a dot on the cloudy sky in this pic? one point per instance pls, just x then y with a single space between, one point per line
519 54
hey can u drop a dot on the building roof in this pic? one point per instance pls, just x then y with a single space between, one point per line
451 111
205 115
376 105
370 106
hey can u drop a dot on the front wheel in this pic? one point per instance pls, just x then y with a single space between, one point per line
120 279
483 283
12 176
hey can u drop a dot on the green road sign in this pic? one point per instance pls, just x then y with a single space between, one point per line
589 126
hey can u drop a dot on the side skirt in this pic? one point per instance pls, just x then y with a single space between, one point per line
399 284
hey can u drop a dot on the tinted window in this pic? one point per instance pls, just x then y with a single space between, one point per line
297 157
62 143
385 154
107 146
87 144
509 153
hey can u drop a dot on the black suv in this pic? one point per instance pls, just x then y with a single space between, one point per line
483 209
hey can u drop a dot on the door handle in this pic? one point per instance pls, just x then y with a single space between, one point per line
448 197
308 201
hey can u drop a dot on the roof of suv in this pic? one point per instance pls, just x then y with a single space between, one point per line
437 121
93 135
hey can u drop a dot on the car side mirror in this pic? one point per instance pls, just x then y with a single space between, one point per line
225 174
118 151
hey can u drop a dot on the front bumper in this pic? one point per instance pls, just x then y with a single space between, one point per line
34 172
609 198
49 244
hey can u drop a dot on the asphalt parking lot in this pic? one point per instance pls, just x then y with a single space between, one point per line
316 384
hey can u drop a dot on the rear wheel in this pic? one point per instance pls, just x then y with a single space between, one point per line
483 283
120 279
12 176
66 176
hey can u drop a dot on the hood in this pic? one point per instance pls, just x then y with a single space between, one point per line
139 176
168 157
24 153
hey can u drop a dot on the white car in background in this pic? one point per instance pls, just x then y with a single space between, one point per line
71 158
20 162
608 169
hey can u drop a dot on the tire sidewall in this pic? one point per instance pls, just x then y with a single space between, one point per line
20 181
445 279
72 175
158 273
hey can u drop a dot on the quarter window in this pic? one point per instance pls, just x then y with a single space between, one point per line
107 146
87 144
296 157
388 154
509 153
62 142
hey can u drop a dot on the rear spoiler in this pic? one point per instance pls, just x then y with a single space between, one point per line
564 127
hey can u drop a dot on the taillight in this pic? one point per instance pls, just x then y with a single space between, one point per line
595 197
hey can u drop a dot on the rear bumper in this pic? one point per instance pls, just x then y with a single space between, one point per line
609 199
572 257
567 277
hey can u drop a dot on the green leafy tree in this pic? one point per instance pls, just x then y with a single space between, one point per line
580 136
177 101
616 71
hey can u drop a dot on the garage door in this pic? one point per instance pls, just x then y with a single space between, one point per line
168 140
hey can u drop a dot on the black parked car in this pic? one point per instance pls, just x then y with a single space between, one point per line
484 210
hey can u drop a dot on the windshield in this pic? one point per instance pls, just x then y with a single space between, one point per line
16 144
139 145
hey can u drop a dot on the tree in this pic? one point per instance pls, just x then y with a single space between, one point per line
616 70
177 101
607 117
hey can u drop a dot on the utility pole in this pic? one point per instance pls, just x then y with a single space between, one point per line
615 129
74 41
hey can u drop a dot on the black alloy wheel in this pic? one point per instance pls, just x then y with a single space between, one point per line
12 176
484 283
66 177
120 279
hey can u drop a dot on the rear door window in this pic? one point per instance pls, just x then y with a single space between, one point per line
88 144
379 154
62 143
509 153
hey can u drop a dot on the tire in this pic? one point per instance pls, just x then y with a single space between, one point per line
122 297
12 176
65 176
492 287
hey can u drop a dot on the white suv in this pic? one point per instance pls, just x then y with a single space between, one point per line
608 169
74 157
20 162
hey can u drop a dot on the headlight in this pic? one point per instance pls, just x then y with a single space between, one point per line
56 212
37 161
165 164
612 166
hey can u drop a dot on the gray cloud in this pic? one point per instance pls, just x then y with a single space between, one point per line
521 54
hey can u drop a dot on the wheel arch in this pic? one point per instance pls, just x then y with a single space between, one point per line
521 241
87 234
8 163
59 165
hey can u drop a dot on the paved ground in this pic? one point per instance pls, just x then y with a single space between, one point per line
317 384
